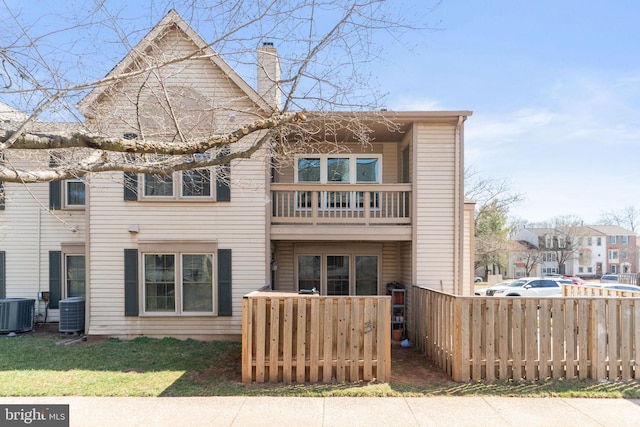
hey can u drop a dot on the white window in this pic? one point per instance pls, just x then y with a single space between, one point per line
549 270
613 240
549 257
562 242
75 274
74 193
580 270
613 255
345 169
342 169
196 185
178 283
625 240
334 273
613 269
589 241
598 241
624 254
589 269
548 241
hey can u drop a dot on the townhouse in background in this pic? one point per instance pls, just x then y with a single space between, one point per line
588 251
174 255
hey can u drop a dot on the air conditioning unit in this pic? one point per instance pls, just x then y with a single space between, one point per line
16 314
72 314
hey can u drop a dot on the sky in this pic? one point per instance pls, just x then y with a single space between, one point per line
554 87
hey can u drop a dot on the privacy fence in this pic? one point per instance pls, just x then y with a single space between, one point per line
311 338
487 338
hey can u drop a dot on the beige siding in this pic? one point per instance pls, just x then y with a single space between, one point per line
435 205
238 225
468 275
28 232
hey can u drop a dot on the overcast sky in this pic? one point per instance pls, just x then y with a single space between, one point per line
554 87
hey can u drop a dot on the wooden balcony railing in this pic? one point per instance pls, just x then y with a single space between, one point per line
361 204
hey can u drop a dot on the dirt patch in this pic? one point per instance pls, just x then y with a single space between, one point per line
410 367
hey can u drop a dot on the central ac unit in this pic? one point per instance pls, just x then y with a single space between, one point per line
72 314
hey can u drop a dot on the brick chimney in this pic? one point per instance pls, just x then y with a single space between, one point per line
269 75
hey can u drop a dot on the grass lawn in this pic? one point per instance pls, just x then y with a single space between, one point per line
39 364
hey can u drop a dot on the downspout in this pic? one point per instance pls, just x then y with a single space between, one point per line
459 211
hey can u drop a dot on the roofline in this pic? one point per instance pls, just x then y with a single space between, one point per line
172 17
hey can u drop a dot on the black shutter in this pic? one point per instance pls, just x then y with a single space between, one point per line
55 278
3 277
130 178
55 195
225 297
130 282
2 197
130 186
223 181
55 187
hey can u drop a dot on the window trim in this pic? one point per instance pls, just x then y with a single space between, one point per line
178 249
65 195
353 163
177 187
327 250
72 249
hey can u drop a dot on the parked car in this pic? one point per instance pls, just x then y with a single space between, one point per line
621 287
575 279
482 291
609 278
530 287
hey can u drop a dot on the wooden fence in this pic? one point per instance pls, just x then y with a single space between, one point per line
310 338
487 338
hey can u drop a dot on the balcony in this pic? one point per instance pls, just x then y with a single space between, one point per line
341 210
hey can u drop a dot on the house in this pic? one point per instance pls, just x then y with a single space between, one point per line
586 251
174 255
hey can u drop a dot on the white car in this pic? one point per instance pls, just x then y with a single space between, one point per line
529 287
482 291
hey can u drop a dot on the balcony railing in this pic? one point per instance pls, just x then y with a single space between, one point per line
363 204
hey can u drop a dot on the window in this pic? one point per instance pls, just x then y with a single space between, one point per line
599 241
580 270
548 241
74 193
358 169
549 257
613 240
624 240
589 269
549 270
589 241
613 269
562 242
179 283
338 274
195 184
624 254
75 275
613 255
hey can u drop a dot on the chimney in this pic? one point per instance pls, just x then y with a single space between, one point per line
269 75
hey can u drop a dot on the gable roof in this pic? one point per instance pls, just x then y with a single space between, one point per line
172 18
612 230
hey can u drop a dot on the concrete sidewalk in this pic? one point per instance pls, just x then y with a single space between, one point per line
342 411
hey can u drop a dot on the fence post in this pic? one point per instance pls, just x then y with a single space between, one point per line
456 356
